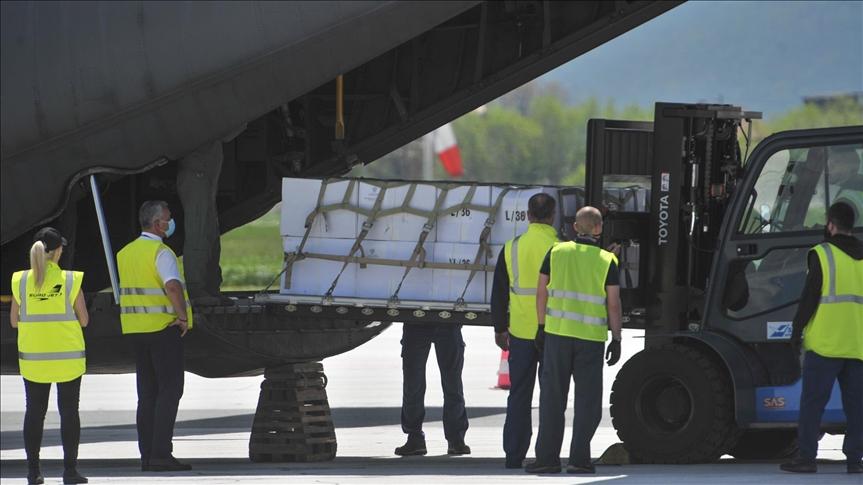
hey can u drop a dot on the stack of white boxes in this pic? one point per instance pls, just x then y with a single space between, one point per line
454 239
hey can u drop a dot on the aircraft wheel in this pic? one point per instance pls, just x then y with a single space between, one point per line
673 404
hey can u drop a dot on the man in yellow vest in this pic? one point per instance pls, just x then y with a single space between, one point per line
156 314
830 320
513 310
577 302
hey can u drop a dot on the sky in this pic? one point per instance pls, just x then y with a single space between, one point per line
764 56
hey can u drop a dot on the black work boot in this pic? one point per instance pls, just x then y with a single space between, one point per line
71 475
799 465
415 446
457 448
852 467
34 474
169 464
541 468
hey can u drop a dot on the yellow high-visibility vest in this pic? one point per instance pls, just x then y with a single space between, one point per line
836 329
524 256
144 303
50 340
576 292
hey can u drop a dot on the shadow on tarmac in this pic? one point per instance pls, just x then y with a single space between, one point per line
343 418
444 466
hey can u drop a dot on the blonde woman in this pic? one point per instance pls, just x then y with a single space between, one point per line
48 309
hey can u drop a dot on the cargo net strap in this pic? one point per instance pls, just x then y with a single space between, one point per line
418 256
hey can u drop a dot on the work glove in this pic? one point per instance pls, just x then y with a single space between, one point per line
539 341
502 340
612 353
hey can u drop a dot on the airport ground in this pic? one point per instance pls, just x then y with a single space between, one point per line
365 394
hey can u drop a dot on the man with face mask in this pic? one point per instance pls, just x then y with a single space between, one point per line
829 327
155 312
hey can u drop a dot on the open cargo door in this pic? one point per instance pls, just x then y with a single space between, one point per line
618 182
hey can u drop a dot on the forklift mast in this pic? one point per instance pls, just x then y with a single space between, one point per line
690 160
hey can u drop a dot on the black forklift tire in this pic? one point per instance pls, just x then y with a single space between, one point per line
673 404
765 444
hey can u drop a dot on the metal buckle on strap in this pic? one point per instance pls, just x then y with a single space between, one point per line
368 225
428 227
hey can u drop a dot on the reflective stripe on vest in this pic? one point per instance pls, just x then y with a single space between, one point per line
74 354
50 345
574 295
576 304
831 296
836 328
523 257
514 258
576 317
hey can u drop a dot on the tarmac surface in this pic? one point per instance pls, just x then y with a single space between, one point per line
364 392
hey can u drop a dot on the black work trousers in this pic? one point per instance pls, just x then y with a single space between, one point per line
566 358
449 349
37 395
159 368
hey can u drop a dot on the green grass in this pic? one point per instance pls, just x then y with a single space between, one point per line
252 254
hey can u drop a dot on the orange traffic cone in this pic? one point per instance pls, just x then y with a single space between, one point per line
503 371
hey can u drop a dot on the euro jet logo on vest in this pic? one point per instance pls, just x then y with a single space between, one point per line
664 184
45 295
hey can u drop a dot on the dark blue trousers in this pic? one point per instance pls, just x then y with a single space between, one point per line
449 349
518 429
159 368
819 374
565 359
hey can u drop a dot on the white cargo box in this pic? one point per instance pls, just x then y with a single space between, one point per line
463 228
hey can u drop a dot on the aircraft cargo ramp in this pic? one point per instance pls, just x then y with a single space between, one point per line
123 90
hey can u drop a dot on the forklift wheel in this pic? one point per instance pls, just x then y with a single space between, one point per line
765 444
673 404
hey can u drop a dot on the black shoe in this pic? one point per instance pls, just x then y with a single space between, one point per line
35 478
72 476
169 464
534 467
513 463
413 447
580 469
798 465
855 467
457 448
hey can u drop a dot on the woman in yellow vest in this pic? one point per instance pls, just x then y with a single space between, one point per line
48 310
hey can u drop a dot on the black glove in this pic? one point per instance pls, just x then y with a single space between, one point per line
539 341
501 339
612 353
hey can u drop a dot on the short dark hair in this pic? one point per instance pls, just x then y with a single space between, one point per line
540 206
150 211
841 215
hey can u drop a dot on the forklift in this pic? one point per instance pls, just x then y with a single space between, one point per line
719 258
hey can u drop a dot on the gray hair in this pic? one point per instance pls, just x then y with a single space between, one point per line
150 211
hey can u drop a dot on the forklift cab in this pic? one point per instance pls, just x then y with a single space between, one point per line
721 257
